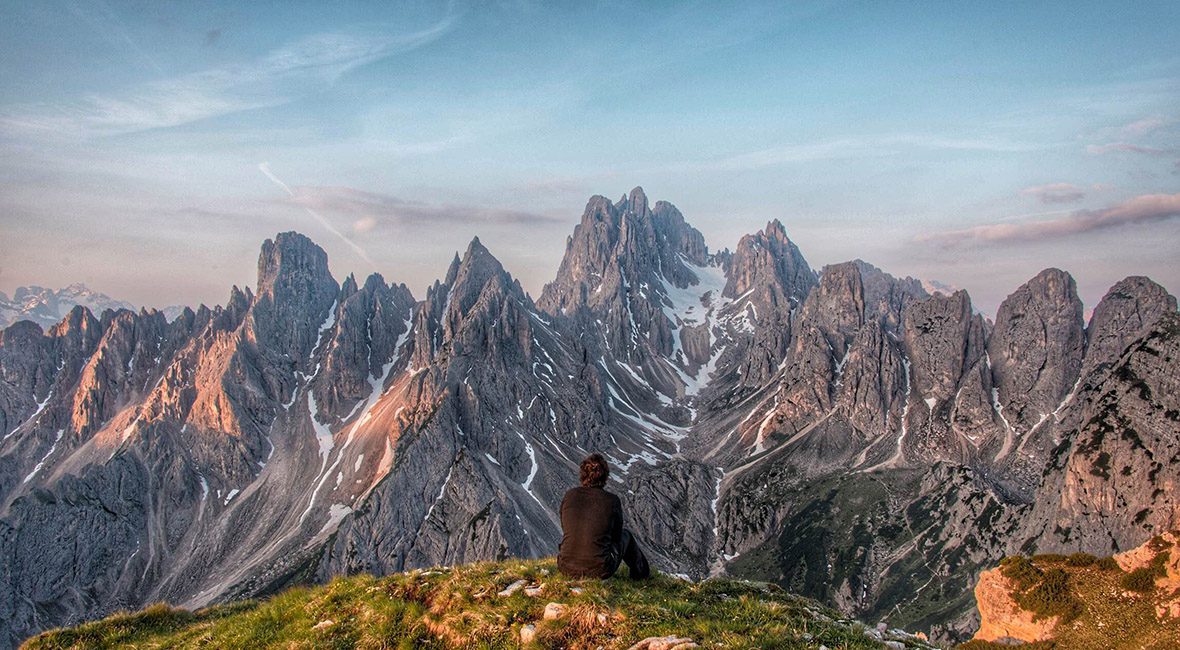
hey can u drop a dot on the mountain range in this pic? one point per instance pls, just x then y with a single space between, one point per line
842 432
47 307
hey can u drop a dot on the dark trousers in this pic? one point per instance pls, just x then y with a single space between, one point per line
628 553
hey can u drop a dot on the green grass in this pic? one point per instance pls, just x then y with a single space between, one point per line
459 608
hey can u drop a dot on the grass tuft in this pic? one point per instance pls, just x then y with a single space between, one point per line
1141 580
1108 564
1082 559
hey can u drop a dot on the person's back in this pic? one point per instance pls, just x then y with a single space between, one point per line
591 525
593 541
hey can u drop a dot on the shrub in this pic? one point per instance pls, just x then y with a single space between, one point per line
1081 559
1141 580
1052 597
1021 571
1158 564
1158 543
1048 558
1109 564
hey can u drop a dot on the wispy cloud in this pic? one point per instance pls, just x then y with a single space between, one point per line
274 79
1123 147
265 169
369 211
863 147
108 26
1148 208
1055 193
1145 126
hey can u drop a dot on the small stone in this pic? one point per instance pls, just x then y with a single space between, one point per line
527 634
554 611
670 642
601 618
577 591
533 591
881 627
323 625
513 588
895 645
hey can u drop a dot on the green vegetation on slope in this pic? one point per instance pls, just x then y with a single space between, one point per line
460 607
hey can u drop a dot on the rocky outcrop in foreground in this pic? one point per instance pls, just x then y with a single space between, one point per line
1080 601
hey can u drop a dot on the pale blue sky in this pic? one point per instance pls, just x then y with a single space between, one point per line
147 148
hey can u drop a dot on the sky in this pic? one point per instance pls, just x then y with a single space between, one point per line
147 148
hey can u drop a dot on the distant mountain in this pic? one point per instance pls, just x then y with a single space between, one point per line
841 432
47 307
935 286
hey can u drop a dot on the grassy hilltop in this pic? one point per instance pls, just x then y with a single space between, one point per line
469 607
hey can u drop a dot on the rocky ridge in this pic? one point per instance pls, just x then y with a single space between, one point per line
841 432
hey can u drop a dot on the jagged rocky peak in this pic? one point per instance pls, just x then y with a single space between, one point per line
476 269
886 296
296 294
1036 347
1128 311
770 263
837 305
476 284
291 261
944 339
620 245
374 320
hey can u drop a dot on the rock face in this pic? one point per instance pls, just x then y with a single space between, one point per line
1036 348
842 433
1001 619
1112 478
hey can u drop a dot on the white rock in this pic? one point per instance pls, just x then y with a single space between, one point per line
554 611
513 588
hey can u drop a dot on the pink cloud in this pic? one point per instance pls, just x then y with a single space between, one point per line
1146 125
1148 208
1055 193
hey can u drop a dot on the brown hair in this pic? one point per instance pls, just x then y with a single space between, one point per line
594 471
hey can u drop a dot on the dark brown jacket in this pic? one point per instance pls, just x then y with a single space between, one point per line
592 529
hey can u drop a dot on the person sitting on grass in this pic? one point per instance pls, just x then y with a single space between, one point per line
593 540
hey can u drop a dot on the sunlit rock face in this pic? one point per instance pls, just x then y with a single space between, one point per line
841 431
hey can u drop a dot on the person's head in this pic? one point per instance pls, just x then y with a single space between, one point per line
594 471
